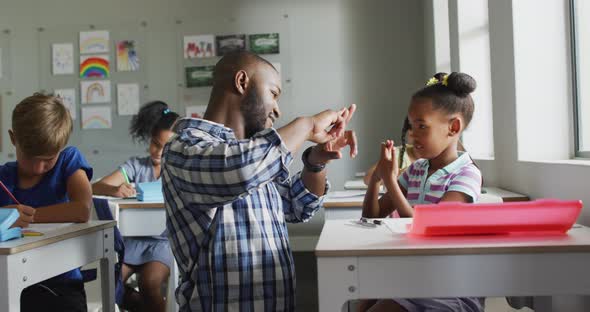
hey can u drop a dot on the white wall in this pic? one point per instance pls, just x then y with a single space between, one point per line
470 37
514 88
532 103
340 52
542 78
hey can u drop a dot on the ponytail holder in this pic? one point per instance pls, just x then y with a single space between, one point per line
432 81
166 111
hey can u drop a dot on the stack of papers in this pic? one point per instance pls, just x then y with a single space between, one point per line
150 191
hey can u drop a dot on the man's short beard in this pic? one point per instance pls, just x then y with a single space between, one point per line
252 109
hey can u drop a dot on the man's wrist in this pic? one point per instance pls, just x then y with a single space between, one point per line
310 160
314 157
309 122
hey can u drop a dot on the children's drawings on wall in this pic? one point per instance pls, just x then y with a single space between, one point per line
68 98
230 43
127 98
94 66
96 117
94 41
62 55
95 91
199 76
127 59
200 46
264 43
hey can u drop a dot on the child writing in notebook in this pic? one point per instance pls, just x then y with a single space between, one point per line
438 114
50 183
150 257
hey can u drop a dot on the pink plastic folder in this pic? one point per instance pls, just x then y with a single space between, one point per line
545 215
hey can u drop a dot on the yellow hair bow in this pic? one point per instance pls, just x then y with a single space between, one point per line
445 80
431 82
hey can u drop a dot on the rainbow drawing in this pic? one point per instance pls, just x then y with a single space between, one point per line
96 117
95 91
92 42
94 66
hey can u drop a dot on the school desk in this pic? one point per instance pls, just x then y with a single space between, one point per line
358 262
139 218
62 247
348 204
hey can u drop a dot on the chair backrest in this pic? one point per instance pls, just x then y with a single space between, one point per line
102 211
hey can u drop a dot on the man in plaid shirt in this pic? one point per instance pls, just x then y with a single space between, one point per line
228 191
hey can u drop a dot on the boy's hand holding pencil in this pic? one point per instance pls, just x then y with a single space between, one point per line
27 215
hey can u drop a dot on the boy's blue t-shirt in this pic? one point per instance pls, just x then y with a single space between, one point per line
51 190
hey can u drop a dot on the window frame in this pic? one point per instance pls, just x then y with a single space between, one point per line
578 153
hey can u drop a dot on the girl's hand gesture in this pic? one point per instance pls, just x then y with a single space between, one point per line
387 168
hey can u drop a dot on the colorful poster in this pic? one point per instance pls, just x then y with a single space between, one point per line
196 111
68 98
127 59
62 55
94 42
96 117
94 66
127 98
230 43
199 76
95 91
264 43
200 46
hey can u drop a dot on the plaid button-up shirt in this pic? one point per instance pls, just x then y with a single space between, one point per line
227 201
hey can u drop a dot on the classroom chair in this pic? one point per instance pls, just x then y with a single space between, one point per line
101 211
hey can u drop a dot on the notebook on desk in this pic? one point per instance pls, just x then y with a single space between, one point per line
150 191
449 218
7 218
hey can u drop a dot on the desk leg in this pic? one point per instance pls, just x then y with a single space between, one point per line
10 290
337 282
107 271
172 284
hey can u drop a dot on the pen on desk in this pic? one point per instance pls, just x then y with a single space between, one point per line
9 193
31 233
125 175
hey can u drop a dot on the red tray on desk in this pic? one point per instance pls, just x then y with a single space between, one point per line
544 215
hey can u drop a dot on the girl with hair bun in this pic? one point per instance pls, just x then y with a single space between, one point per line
437 115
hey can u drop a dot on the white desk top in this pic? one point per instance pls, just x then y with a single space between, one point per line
354 198
133 203
341 238
52 233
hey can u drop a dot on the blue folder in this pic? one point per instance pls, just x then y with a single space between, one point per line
7 218
150 191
